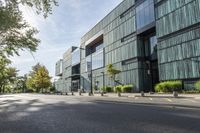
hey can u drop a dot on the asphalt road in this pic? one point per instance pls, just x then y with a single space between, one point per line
31 113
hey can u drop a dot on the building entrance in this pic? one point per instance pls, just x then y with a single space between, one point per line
151 60
75 85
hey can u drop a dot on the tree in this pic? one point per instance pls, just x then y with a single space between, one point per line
30 85
20 84
15 33
113 72
7 78
42 79
39 78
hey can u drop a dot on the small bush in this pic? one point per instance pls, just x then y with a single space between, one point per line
127 88
197 85
169 86
107 89
194 91
118 89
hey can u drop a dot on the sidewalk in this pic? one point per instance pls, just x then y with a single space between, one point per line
155 95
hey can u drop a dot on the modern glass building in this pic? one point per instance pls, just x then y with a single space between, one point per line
148 40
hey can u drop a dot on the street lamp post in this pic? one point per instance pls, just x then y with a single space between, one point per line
91 75
103 79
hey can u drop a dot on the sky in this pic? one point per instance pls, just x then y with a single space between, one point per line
64 28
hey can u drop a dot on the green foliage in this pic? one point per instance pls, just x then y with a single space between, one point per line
20 84
169 86
39 79
113 72
197 85
53 88
42 79
41 6
118 89
193 91
107 89
127 88
7 74
15 33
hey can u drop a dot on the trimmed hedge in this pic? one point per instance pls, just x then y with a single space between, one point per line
124 88
118 89
197 85
107 89
169 86
127 88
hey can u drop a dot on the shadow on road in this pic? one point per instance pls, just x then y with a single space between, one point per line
98 116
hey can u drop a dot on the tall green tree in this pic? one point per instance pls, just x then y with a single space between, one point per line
15 33
39 79
20 84
42 79
7 78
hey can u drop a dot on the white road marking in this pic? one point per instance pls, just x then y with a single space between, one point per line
151 99
169 100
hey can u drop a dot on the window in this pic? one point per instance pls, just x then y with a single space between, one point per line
145 13
153 43
88 63
76 57
99 47
97 59
189 85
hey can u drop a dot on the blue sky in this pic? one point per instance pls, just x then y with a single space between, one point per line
69 22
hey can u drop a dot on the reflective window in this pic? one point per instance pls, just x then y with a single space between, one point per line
99 47
97 59
153 43
88 63
145 13
76 57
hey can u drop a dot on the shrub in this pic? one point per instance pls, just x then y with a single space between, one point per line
118 89
107 89
197 85
127 88
169 86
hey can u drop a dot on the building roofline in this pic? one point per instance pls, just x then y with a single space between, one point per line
103 18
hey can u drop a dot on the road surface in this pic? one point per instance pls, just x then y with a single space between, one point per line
32 113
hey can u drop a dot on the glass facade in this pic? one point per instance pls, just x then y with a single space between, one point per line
88 64
153 47
76 57
133 45
145 13
97 59
99 47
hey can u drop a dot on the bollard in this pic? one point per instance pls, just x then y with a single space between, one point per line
119 94
142 93
72 93
175 94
